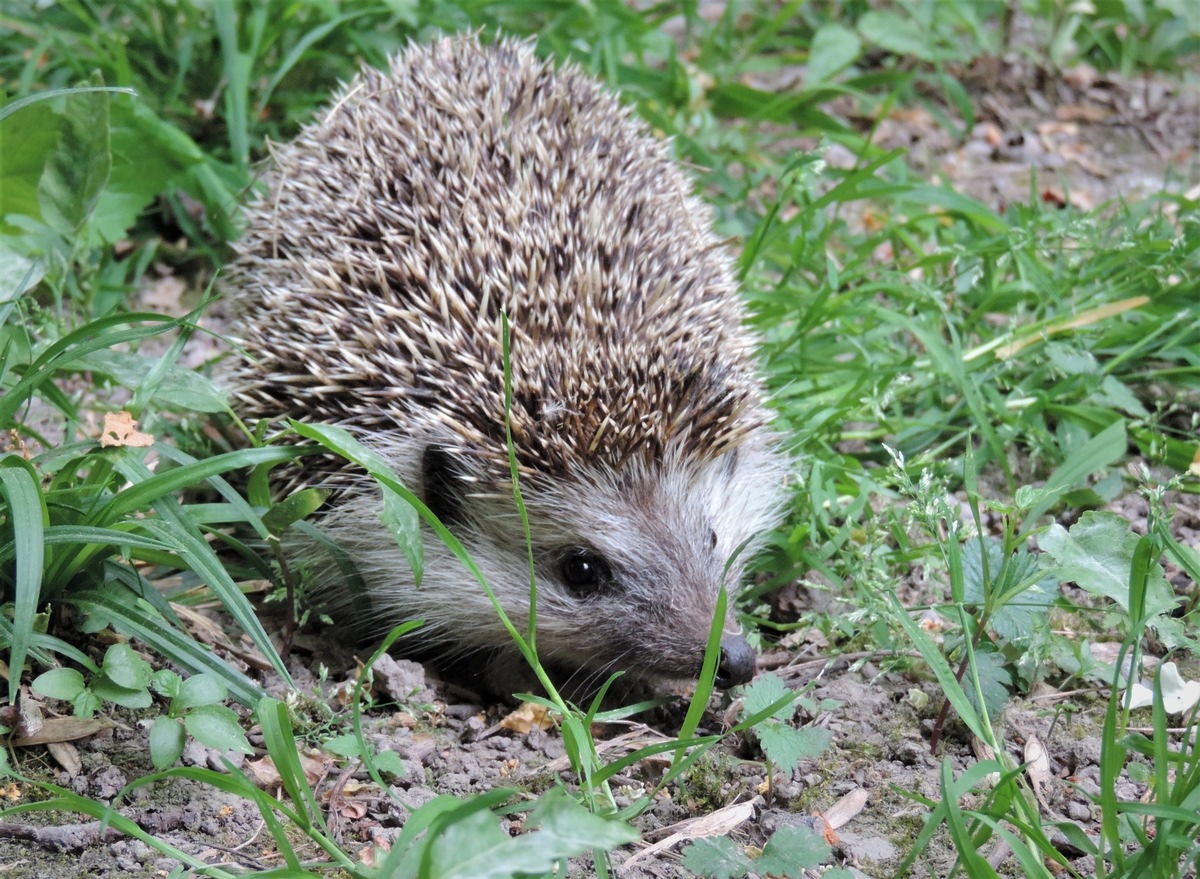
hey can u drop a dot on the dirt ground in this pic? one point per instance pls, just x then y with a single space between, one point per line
1087 138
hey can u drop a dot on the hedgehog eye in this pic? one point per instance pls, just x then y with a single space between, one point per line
712 538
583 570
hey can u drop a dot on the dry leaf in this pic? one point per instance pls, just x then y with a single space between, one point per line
352 809
1037 762
29 718
527 717
639 737
264 774
370 855
719 823
983 751
67 756
932 622
1085 318
121 430
201 626
844 810
1080 76
1038 770
62 729
1089 113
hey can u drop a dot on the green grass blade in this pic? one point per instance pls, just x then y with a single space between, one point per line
147 490
199 557
13 106
29 518
1097 453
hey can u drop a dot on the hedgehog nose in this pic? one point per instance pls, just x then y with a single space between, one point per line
737 662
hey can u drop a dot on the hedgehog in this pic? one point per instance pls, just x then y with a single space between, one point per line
472 181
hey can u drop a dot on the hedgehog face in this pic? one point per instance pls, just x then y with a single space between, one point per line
629 564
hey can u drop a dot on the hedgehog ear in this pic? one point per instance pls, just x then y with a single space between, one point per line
442 485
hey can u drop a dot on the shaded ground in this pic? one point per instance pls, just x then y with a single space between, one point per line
1088 139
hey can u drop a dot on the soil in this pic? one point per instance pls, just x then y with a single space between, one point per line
1088 139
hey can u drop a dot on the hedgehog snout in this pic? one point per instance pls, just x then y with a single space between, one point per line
737 662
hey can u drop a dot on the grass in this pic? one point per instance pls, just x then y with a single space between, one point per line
919 343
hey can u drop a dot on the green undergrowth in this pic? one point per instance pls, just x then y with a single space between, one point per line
964 388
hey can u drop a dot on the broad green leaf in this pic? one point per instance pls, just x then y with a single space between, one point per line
786 746
78 166
86 704
127 697
149 156
994 682
166 742
1116 394
470 848
59 683
404 522
166 683
764 691
477 848
564 828
390 762
201 689
52 94
342 746
181 389
125 668
143 623
1096 554
899 34
18 273
834 47
1020 606
217 727
26 138
791 850
403 861
716 858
